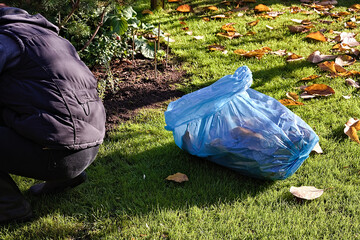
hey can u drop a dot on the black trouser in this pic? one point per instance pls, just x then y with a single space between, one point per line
23 157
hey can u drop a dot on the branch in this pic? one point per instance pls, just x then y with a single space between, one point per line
74 7
97 28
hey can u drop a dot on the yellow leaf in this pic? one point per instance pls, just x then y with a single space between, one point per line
178 177
228 27
146 11
294 57
184 8
317 36
350 25
240 51
262 8
312 77
328 66
254 23
290 102
212 8
216 47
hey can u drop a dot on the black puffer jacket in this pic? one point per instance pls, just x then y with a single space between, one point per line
50 96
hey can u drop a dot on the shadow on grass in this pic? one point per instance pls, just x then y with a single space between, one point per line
122 186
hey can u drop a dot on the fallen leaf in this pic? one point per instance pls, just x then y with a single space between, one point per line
292 96
350 25
250 33
199 38
331 67
345 60
146 11
189 33
269 27
317 57
262 8
294 57
289 102
317 90
206 19
229 35
183 23
184 8
212 8
317 149
347 97
240 51
317 36
352 83
216 47
298 29
352 133
311 77
280 52
253 23
306 192
221 16
173 1
178 177
228 27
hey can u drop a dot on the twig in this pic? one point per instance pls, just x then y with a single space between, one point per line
74 7
133 44
155 60
159 36
97 28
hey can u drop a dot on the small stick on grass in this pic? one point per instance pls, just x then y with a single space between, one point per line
155 60
133 45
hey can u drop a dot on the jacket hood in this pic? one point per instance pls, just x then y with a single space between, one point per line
14 15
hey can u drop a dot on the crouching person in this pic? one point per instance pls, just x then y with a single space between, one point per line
51 118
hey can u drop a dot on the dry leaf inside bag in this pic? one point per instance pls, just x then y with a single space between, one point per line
306 192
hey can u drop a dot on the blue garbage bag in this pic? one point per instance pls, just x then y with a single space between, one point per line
235 126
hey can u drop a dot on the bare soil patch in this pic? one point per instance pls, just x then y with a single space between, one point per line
138 88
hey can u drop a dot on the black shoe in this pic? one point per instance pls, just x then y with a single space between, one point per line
16 213
13 206
55 187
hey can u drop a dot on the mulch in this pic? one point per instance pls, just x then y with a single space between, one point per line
136 87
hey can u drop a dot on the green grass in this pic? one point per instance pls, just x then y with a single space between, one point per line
127 196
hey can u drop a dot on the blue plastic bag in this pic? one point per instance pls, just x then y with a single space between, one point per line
242 129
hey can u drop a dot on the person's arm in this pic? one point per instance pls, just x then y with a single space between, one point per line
9 52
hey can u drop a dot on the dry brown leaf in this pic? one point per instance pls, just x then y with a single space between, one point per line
185 28
146 11
350 25
352 83
298 29
183 23
173 1
262 8
317 57
240 51
228 27
253 23
328 66
306 192
216 47
212 8
206 19
352 133
178 177
294 57
345 60
292 96
184 8
319 90
229 35
317 36
290 102
309 78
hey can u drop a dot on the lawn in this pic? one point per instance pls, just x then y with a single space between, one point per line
127 196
